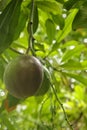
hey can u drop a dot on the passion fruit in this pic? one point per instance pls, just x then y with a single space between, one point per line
23 76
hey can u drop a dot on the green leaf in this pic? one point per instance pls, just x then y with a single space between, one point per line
60 1
77 77
69 53
66 30
8 23
72 65
49 6
7 122
12 101
3 4
2 68
78 93
75 65
82 16
84 64
40 46
50 29
9 103
69 43
59 20
21 24
70 3
68 25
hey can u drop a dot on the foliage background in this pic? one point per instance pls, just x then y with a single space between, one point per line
60 42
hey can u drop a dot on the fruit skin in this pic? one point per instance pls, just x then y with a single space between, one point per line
45 83
23 76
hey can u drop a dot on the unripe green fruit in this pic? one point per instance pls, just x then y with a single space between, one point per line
23 76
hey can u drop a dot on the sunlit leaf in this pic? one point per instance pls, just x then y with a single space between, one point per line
8 123
77 77
72 52
49 6
69 43
67 28
50 29
74 65
68 25
79 93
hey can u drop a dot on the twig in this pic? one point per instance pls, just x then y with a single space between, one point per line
41 106
66 118
78 119
19 45
31 39
4 58
15 50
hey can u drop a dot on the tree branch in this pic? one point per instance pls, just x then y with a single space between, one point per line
31 39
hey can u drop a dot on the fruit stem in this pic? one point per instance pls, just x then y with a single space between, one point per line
30 30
